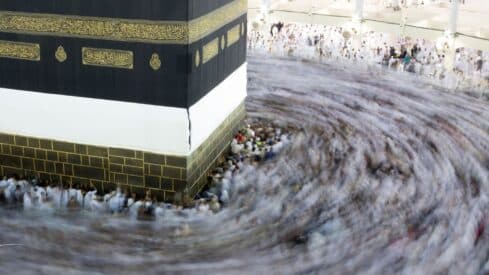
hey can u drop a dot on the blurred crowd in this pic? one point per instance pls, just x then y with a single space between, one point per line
469 68
250 146
404 3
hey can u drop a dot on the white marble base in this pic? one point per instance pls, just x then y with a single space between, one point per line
157 129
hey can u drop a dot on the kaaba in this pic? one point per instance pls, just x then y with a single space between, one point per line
141 94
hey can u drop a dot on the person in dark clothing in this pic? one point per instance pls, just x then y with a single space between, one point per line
392 52
280 25
277 26
414 50
403 54
478 64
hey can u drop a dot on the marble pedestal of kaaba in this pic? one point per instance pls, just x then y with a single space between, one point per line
141 94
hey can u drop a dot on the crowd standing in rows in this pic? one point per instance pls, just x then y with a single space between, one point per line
420 56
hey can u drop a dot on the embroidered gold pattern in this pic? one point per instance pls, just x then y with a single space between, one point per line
60 54
155 62
19 50
223 42
197 59
207 24
233 35
108 58
210 50
175 32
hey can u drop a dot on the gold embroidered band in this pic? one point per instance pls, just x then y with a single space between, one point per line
19 50
210 50
108 58
161 32
233 35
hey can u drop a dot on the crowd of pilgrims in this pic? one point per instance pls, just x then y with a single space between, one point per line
419 56
404 3
250 146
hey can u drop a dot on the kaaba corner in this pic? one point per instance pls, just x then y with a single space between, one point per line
142 94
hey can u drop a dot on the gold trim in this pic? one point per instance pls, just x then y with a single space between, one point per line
197 59
60 54
20 50
207 24
108 58
155 62
223 42
161 32
210 50
233 35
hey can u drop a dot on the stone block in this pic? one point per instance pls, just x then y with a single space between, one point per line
9 171
152 182
179 185
7 139
135 180
117 160
39 165
6 149
88 172
11 161
74 159
20 140
133 170
29 152
59 168
122 152
28 164
176 161
46 144
33 142
116 168
85 160
64 146
79 182
134 162
139 191
80 149
17 150
41 154
154 158
167 184
171 172
120 178
68 168
155 170
96 162
62 157
97 151
51 155
50 168
139 155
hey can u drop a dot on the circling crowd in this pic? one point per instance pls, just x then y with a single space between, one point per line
469 67
46 195
250 146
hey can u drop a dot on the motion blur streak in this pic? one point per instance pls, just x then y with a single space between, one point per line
386 175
